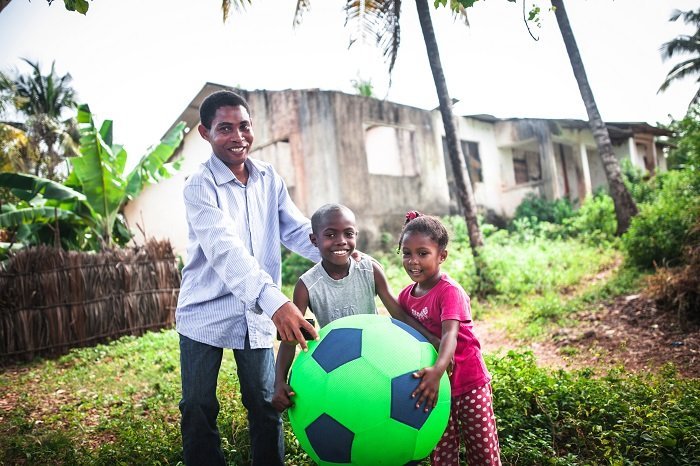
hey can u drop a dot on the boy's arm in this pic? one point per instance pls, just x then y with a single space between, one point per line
281 399
381 285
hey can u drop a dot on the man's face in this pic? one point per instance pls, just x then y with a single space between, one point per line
231 135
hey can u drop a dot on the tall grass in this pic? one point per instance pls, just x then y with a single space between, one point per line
532 281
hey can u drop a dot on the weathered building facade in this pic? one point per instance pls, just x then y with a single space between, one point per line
381 159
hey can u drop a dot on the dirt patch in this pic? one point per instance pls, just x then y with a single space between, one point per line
630 332
633 332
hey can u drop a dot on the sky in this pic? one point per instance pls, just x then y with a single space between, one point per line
140 62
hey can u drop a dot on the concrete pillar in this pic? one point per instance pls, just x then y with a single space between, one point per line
586 169
549 165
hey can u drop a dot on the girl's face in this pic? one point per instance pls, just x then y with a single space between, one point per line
422 258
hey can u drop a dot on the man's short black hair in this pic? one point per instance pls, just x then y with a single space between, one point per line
216 100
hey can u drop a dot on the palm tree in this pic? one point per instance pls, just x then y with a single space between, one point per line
380 19
684 44
625 208
43 102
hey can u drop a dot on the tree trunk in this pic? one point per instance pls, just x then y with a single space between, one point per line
625 208
464 187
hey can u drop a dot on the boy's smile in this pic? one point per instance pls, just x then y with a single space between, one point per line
335 241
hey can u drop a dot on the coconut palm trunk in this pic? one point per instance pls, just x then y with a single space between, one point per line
464 187
625 208
381 19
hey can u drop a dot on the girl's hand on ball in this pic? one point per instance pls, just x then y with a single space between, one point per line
427 391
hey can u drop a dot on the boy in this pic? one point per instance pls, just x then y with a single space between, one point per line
336 287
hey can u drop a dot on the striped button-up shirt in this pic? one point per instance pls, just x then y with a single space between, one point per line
231 283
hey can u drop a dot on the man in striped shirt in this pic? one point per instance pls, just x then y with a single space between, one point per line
238 212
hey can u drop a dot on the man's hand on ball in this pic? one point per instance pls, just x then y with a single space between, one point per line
289 321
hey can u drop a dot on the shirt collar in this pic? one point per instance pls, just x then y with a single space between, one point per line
222 174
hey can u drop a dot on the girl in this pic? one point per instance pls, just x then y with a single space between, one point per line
442 306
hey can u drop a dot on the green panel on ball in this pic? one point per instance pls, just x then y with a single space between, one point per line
390 349
380 438
356 389
428 355
309 383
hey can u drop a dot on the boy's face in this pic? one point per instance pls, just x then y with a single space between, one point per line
336 237
231 135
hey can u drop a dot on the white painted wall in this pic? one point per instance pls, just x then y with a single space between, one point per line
160 209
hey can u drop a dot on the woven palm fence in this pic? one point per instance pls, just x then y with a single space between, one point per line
52 300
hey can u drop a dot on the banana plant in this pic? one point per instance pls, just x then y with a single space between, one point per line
95 190
99 172
43 208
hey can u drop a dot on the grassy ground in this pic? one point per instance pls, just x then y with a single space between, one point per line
117 403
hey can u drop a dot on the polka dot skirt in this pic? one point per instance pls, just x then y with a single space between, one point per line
472 419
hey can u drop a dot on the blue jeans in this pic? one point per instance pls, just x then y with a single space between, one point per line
199 367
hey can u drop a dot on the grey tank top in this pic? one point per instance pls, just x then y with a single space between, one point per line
331 299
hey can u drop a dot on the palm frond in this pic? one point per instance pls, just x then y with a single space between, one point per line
689 17
459 12
680 71
302 7
379 21
680 45
238 5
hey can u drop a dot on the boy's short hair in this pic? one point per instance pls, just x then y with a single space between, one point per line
216 100
318 218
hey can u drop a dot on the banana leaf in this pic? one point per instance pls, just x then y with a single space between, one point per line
153 166
27 187
100 171
35 215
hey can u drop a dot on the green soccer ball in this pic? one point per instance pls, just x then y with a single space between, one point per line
353 390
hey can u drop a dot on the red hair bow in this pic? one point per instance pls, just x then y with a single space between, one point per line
411 215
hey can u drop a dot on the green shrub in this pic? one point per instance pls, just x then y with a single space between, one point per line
544 210
658 233
293 266
595 220
685 143
576 418
639 184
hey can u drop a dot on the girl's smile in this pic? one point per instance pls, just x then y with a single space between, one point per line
421 259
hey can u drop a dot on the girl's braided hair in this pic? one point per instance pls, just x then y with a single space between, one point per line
426 224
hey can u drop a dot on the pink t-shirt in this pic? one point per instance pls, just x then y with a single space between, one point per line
448 301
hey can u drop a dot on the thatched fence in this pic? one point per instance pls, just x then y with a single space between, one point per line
52 300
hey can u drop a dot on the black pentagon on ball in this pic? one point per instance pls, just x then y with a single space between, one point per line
331 440
415 333
403 407
339 347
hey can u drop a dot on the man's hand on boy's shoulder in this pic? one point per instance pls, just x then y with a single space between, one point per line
358 255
